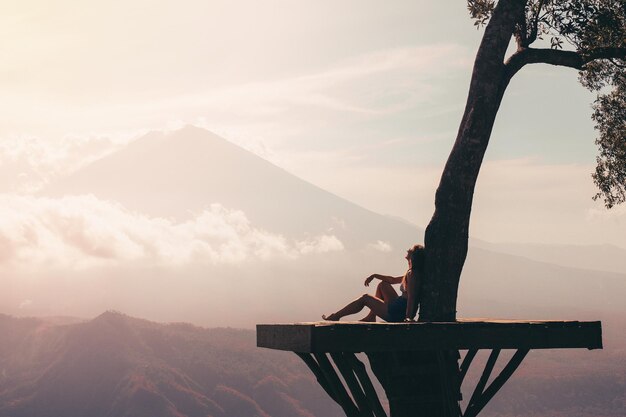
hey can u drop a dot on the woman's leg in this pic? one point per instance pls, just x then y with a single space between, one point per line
385 292
376 305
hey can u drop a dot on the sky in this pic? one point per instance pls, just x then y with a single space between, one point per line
362 98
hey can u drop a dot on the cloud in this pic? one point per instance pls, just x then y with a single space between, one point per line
83 231
320 244
29 162
347 87
381 246
253 114
369 85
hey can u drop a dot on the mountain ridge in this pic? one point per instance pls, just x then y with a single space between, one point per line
191 144
178 370
115 364
175 174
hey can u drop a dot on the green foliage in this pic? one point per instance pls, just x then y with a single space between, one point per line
596 31
610 117
480 10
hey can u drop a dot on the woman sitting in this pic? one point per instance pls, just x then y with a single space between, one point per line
386 303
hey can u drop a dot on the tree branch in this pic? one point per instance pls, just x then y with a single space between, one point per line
570 59
611 52
521 32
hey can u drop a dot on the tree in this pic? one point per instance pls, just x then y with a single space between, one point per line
586 35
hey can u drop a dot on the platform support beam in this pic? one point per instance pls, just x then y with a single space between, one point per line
401 375
315 368
368 388
467 361
482 396
364 401
341 395
484 378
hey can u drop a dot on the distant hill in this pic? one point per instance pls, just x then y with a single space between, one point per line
608 258
115 365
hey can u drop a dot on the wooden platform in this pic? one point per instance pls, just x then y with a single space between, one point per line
463 334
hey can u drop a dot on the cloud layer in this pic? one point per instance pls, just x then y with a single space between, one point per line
29 162
82 231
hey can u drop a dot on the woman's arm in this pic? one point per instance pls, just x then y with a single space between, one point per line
412 283
386 278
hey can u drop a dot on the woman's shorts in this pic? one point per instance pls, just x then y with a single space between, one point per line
397 310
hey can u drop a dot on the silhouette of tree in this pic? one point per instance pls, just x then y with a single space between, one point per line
586 35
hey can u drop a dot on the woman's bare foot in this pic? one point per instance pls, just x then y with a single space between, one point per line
331 317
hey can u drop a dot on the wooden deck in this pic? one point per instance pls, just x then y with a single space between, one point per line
463 334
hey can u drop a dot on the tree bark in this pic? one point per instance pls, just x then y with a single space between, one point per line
403 374
446 238
447 234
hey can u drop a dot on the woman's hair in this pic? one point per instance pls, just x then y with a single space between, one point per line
417 257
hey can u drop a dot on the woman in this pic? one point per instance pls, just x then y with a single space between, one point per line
387 304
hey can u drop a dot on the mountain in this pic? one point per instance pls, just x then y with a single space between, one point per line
608 258
180 173
499 282
115 365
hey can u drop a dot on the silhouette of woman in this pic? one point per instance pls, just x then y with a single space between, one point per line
386 303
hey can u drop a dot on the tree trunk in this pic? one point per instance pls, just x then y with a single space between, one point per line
447 234
402 376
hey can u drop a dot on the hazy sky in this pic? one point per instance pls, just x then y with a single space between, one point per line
362 98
